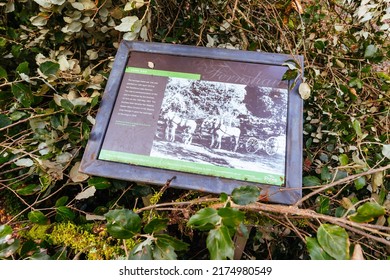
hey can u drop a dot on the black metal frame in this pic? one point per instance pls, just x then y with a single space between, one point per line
90 164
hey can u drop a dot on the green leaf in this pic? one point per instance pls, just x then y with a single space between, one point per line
385 150
343 158
23 68
39 256
309 181
6 249
123 223
163 251
99 183
142 251
29 190
61 201
291 64
177 244
5 231
67 105
334 240
64 214
319 44
37 217
356 126
315 250
223 197
367 212
17 115
290 75
8 245
360 183
3 73
22 93
4 121
231 217
323 205
49 68
204 219
220 244
340 175
325 174
356 83
370 51
156 225
245 195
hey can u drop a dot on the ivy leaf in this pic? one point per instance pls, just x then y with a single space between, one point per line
3 73
5 231
291 64
304 91
245 195
75 175
127 24
385 150
360 183
309 181
163 251
356 126
64 214
370 51
367 212
231 217
4 121
88 192
123 223
37 217
67 105
22 93
343 158
325 174
142 251
220 244
61 201
319 44
315 250
49 68
334 240
177 244
8 245
23 68
156 225
356 83
323 205
204 219
290 75
99 183
6 249
29 189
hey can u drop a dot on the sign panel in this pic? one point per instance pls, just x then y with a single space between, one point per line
213 119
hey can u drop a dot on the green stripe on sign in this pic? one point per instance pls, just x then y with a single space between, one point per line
192 167
162 73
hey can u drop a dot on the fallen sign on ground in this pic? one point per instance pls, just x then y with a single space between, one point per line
212 119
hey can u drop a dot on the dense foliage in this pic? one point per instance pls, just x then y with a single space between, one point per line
56 56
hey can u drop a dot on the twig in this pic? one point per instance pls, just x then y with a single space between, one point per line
305 213
234 10
183 203
294 228
30 118
342 181
174 21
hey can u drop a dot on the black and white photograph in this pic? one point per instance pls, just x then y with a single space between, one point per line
223 124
